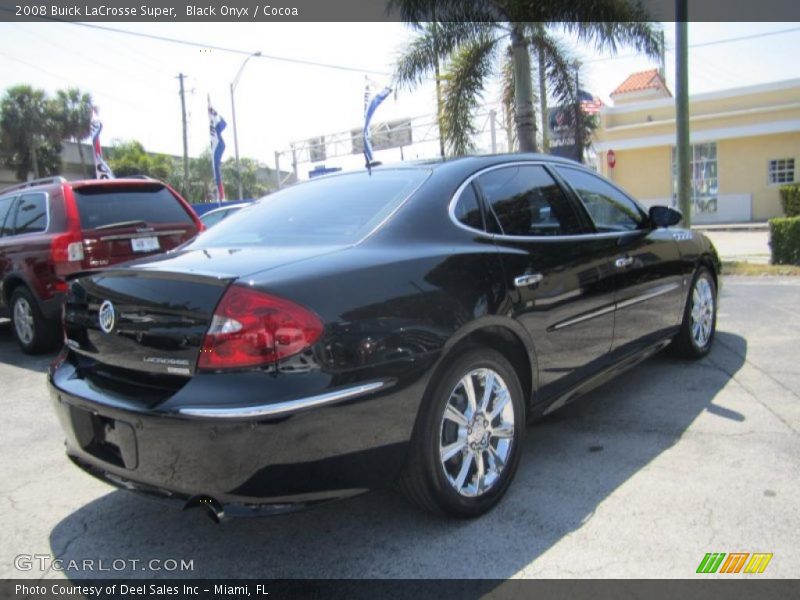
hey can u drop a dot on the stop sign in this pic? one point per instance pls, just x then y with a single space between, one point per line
611 158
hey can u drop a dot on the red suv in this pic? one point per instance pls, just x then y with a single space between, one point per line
50 228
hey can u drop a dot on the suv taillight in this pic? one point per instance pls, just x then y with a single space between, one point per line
66 251
65 248
252 328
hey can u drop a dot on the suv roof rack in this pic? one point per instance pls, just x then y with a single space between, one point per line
34 182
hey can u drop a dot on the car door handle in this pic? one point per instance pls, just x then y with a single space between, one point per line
623 261
528 279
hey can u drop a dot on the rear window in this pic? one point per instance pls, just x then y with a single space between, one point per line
340 209
106 206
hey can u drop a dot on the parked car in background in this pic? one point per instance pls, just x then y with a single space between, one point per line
363 329
213 217
50 228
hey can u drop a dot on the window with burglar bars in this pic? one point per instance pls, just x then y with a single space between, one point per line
705 180
780 171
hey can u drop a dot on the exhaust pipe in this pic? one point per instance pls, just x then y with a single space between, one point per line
214 510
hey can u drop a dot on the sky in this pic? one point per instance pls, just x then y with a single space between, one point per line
134 79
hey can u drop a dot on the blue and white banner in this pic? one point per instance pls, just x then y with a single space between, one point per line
371 103
101 168
216 126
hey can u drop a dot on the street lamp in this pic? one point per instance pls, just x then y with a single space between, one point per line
233 115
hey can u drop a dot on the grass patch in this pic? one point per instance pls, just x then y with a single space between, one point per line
735 267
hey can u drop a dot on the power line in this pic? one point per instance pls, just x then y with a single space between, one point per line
298 61
704 44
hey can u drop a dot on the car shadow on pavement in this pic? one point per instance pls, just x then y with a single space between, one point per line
573 460
11 354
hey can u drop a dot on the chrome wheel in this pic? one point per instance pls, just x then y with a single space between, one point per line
702 312
23 321
477 432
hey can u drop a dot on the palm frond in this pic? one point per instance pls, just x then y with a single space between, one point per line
434 41
609 24
475 11
559 69
462 91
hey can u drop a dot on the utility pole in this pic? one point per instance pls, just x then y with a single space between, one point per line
578 116
181 77
683 153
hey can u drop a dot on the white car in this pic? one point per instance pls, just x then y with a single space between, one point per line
213 217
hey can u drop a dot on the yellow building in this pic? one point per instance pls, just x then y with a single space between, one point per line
745 144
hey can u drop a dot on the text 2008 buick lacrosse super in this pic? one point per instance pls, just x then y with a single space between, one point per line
371 328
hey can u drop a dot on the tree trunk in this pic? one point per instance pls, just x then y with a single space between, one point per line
34 159
543 102
525 117
83 160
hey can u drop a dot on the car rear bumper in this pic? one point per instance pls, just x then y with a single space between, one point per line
264 462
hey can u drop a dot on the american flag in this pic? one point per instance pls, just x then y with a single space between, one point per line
590 105
216 125
101 168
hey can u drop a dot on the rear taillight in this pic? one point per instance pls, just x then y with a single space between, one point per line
66 250
251 328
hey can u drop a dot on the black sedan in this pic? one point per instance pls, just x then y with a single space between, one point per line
371 328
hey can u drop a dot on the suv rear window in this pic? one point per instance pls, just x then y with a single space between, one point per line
104 206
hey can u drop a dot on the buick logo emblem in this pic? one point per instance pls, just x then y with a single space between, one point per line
106 316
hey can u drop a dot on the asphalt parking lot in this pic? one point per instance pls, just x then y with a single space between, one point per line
639 479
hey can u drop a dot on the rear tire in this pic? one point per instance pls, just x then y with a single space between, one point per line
696 335
33 332
466 445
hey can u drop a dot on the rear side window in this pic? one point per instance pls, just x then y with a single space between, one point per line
339 209
5 209
31 214
528 202
105 206
610 209
467 210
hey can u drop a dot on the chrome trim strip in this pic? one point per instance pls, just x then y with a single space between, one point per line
658 291
663 289
585 317
451 210
138 234
283 408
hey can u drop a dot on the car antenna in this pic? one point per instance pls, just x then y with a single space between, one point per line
371 163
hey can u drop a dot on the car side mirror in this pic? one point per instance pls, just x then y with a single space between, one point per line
664 216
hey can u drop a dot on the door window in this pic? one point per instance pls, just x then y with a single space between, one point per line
31 214
610 209
528 202
6 215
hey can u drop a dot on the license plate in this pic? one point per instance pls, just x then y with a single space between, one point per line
144 244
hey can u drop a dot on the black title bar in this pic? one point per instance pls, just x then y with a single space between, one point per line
283 11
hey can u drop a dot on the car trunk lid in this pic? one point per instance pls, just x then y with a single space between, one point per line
148 322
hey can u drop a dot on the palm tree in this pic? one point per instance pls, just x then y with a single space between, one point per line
74 110
470 35
30 132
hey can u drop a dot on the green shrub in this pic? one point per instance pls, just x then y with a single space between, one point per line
784 239
790 199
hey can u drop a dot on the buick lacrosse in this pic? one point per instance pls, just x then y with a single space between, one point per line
394 326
